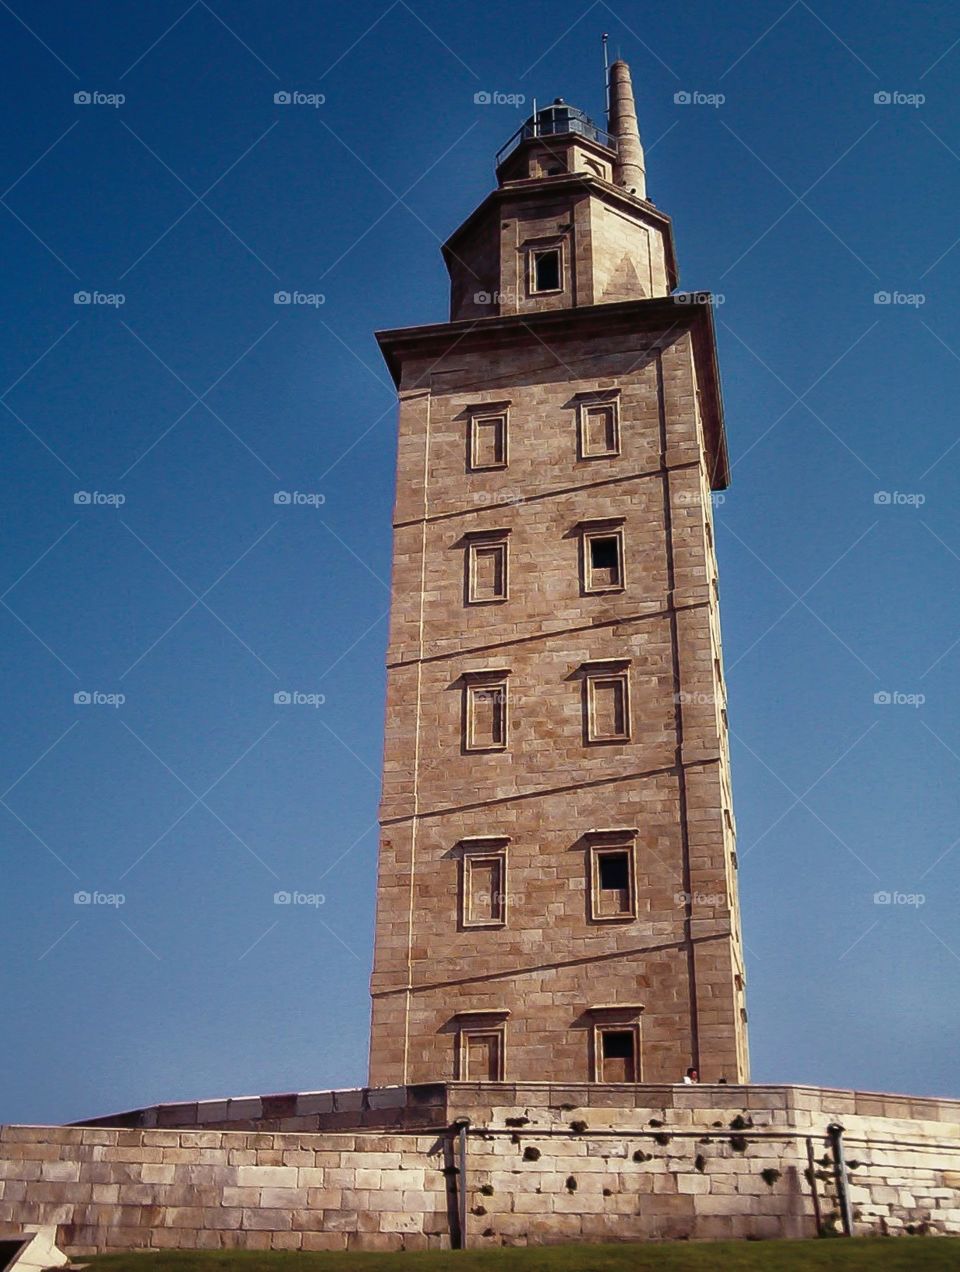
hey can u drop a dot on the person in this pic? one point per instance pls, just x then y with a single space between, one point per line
691 1077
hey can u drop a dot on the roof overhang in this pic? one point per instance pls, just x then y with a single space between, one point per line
661 314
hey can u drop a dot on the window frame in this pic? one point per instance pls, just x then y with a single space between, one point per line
613 670
595 402
484 413
476 850
605 843
485 540
590 531
615 1018
475 682
489 1022
533 250
600 1029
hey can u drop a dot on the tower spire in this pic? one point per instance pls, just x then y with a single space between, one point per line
629 170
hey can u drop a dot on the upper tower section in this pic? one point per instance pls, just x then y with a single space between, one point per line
569 223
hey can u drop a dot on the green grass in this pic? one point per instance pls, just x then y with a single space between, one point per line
900 1254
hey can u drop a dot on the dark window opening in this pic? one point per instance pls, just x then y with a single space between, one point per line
546 270
604 554
617 1044
614 872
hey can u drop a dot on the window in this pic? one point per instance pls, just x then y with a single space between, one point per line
545 270
613 887
613 893
483 891
481 1056
488 440
607 701
480 1045
485 711
602 556
599 429
618 1055
486 566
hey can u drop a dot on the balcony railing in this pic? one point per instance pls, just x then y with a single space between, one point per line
556 121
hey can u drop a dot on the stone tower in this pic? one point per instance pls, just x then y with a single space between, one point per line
557 895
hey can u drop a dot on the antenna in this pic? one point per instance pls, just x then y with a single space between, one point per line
536 130
606 75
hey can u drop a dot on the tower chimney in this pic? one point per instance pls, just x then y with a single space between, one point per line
629 169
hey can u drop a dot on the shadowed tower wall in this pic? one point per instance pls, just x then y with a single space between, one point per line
557 878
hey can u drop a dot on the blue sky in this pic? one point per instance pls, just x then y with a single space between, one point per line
797 199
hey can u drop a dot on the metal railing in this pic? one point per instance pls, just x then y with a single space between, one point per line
556 121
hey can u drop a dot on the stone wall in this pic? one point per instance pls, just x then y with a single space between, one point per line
544 1164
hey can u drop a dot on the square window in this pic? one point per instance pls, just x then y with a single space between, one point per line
617 1054
485 710
602 560
480 1055
612 891
599 429
607 706
486 571
483 898
488 441
545 270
